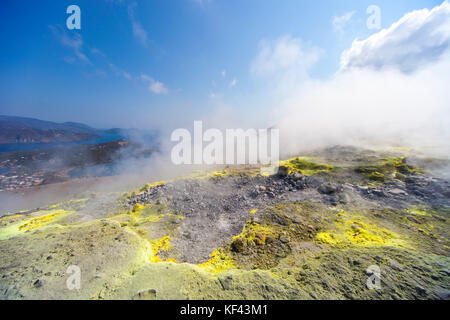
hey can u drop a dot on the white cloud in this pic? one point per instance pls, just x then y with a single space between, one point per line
224 73
75 42
419 37
98 52
158 88
339 22
138 31
145 77
284 63
233 83
119 72
126 75
155 86
369 105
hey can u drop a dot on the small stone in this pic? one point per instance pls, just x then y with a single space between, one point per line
348 288
357 262
435 277
226 282
38 283
313 182
283 171
420 290
446 272
398 192
344 198
284 239
271 195
327 188
149 294
300 184
238 244
297 176
395 297
270 240
396 266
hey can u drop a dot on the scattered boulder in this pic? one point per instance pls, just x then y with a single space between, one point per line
300 184
283 171
394 265
328 188
297 176
262 188
38 283
420 290
313 182
398 192
239 244
345 198
226 282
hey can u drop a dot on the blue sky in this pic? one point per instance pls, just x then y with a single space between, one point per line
149 63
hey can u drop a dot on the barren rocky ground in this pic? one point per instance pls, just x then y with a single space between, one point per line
315 230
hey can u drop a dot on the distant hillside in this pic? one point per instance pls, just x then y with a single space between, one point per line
28 130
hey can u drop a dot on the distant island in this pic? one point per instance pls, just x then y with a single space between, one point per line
20 133
35 152
28 130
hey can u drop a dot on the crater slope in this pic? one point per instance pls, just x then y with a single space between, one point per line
315 230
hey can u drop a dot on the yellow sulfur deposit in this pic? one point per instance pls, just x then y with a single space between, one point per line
11 217
418 211
354 230
390 167
254 232
328 238
16 228
153 184
40 221
156 246
219 262
137 208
